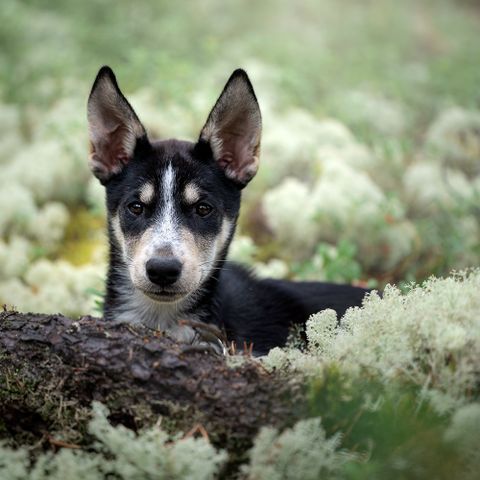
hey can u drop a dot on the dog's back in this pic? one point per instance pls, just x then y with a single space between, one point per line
262 311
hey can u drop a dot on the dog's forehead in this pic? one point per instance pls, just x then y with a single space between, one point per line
177 162
166 150
188 171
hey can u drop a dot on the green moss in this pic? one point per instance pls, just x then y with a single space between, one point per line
401 436
84 234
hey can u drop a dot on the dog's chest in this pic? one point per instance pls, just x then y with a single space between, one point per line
137 308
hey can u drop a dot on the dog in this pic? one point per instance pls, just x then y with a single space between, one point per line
172 209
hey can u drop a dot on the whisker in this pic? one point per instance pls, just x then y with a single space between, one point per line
212 261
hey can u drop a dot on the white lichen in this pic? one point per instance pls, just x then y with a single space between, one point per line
454 139
119 452
431 336
54 286
301 452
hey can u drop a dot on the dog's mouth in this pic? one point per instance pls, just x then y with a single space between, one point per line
165 296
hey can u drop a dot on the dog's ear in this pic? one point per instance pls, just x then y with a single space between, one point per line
233 129
114 127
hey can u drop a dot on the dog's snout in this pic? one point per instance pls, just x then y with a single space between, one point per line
163 271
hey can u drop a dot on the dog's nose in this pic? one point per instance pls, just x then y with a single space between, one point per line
163 271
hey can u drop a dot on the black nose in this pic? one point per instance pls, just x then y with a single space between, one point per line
163 271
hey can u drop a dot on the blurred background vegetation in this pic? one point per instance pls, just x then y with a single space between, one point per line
371 153
370 173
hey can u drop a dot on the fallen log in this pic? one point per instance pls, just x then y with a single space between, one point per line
53 367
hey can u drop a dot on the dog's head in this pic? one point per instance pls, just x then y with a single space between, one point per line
172 205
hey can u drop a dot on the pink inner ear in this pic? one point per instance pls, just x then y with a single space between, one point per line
238 155
233 129
111 151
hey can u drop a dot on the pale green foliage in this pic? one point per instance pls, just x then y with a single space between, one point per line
431 187
340 200
463 435
295 139
54 286
399 374
68 464
381 114
274 268
454 138
151 454
332 263
19 208
286 219
48 226
322 330
293 360
429 336
45 177
13 463
95 196
10 126
302 452
14 256
242 249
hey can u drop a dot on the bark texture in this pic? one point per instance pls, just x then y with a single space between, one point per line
52 367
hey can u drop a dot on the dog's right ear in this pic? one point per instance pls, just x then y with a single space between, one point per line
114 127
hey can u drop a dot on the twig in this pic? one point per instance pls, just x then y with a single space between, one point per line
62 444
198 428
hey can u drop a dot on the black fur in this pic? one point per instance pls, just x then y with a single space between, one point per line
262 311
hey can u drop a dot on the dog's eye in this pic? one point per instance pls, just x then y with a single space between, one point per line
136 208
203 209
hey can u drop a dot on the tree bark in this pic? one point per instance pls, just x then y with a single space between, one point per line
52 367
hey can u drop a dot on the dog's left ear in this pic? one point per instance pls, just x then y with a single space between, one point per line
233 129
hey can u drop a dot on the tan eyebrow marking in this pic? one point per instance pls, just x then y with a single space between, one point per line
147 193
191 193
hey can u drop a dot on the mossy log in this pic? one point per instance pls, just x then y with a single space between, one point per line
52 367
